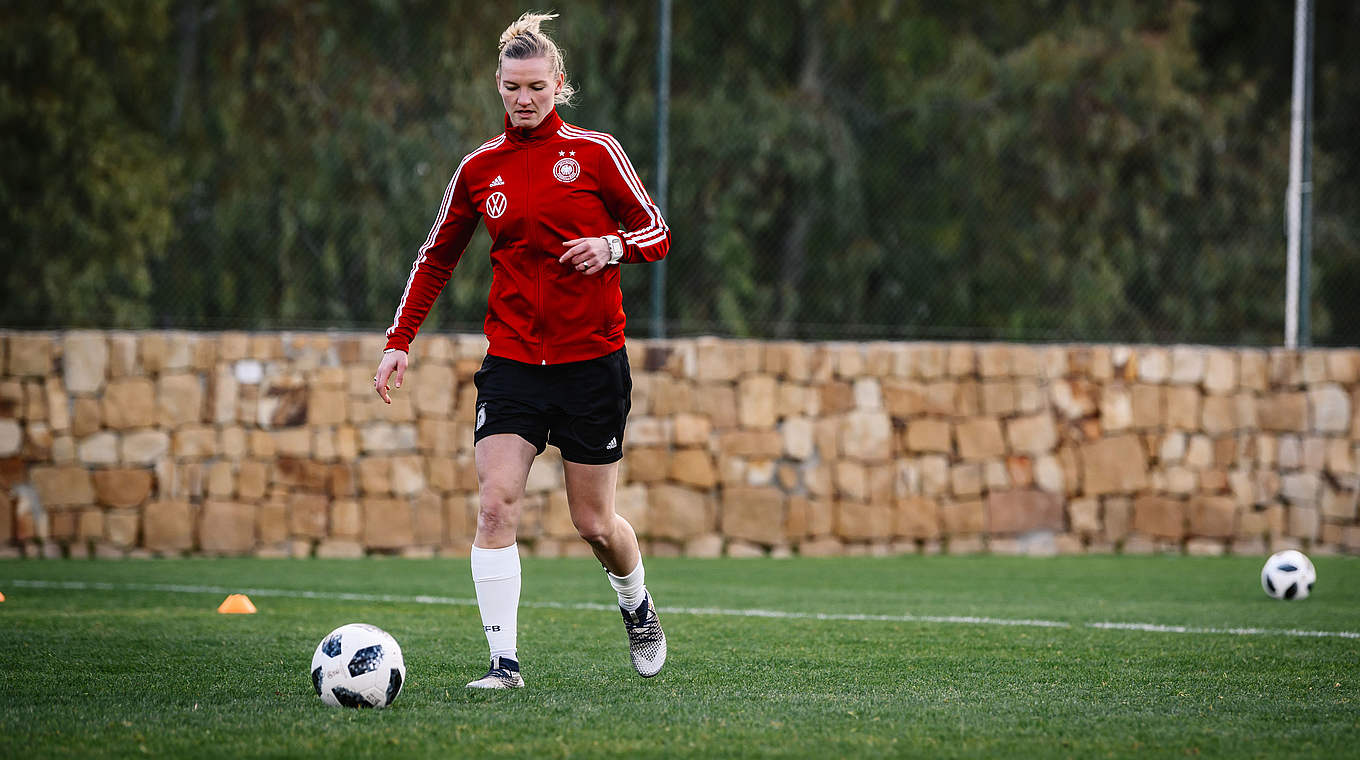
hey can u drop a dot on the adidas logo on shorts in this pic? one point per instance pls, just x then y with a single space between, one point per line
613 444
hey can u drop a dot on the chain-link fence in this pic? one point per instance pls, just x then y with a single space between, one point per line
1108 171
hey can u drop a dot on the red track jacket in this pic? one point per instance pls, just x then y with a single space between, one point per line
537 188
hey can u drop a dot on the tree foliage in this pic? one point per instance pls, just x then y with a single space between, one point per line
1057 169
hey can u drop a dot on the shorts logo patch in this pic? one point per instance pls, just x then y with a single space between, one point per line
481 416
613 444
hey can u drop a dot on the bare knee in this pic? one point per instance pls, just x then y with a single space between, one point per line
595 532
497 515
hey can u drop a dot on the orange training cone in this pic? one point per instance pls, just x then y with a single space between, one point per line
236 604
2 597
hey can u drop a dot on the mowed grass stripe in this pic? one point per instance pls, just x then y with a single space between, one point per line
752 613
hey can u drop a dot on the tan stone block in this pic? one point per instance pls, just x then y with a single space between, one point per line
59 406
1113 465
965 479
852 480
297 442
35 401
766 444
329 406
994 360
1253 369
129 403
1084 516
1023 511
85 361
85 418
100 448
963 518
1020 471
1219 415
226 528
1116 408
387 523
917 517
30 355
929 435
340 478
408 475
672 396
1182 407
716 359
1146 402
221 480
1283 412
1220 372
195 442
11 438
753 514
1118 517
998 397
1329 409
144 447
375 475
438 388
693 467
647 464
252 480
344 519
868 394
271 521
679 513
167 526
347 443
1213 516
307 515
980 438
1304 522
122 488
179 400
788 359
756 398
1159 517
866 436
649 431
797 433
865 522
428 515
121 526
62 486
691 430
1034 435
961 359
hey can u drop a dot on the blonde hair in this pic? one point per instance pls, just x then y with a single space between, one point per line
524 39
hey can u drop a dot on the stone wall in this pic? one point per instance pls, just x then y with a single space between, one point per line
153 443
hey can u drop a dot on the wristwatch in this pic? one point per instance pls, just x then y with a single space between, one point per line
615 248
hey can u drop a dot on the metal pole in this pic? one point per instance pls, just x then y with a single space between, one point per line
663 116
1298 210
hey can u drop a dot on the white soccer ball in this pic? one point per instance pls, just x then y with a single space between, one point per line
1288 575
358 665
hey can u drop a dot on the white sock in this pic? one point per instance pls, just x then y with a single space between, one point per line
629 587
495 573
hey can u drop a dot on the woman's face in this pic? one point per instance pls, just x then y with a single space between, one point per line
527 87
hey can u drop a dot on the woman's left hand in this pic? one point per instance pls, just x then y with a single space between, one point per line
586 255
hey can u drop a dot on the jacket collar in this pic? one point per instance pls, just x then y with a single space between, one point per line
529 136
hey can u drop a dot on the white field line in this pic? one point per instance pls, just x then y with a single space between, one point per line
724 612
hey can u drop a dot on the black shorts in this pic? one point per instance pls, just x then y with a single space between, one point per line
579 407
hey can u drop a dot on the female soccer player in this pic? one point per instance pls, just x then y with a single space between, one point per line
563 207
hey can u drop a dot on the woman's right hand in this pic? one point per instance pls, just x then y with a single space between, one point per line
393 365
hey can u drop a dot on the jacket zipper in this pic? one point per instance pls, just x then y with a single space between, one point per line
532 229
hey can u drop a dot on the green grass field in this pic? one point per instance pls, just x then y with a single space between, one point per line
115 663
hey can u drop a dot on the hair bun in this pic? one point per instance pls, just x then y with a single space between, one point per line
530 23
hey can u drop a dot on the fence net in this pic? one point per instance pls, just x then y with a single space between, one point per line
840 169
